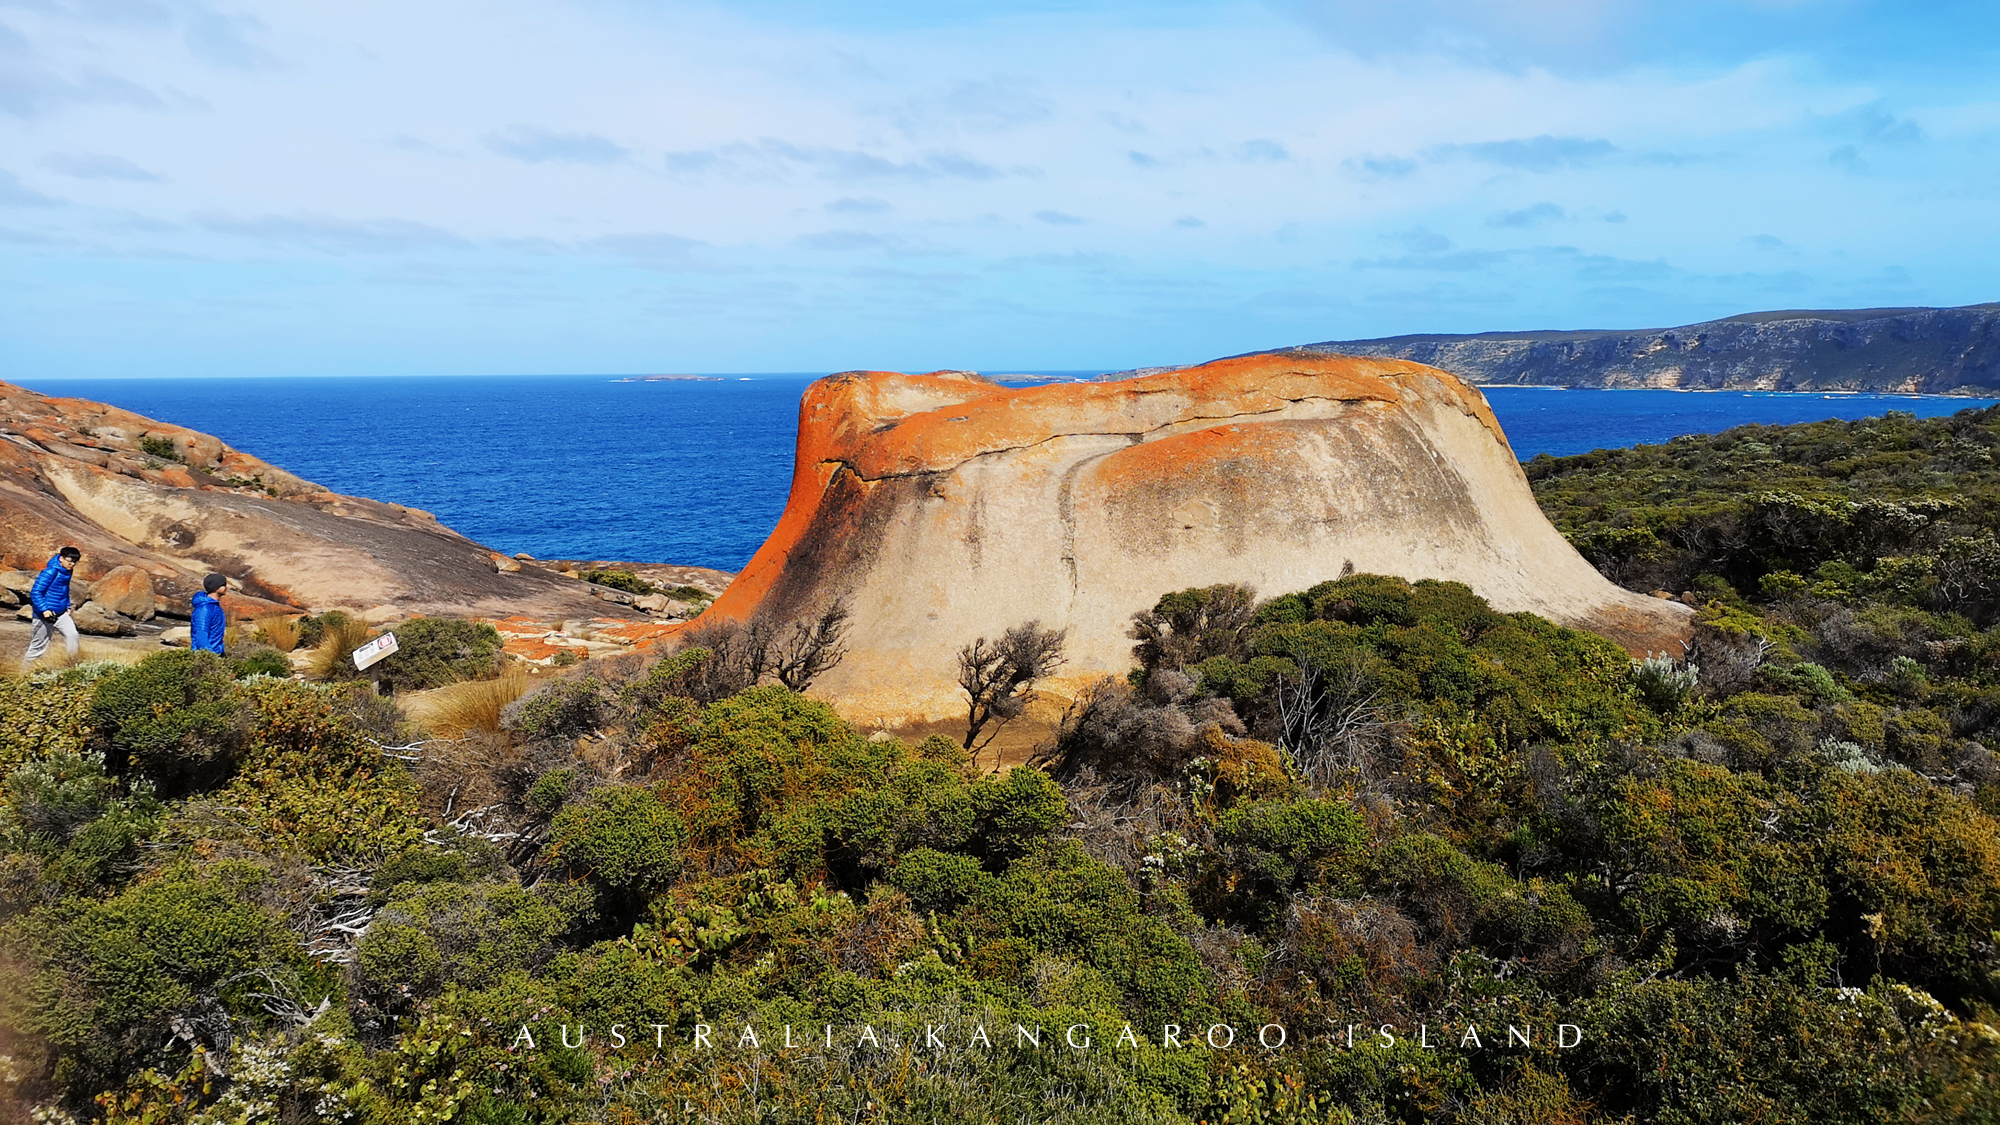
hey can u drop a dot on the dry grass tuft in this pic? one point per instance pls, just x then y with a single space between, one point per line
281 633
343 634
474 706
58 659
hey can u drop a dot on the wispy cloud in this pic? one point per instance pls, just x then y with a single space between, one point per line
13 193
1540 214
1059 219
1262 150
852 241
655 251
223 39
531 145
98 166
1383 167
984 105
31 87
1532 154
770 158
859 205
322 232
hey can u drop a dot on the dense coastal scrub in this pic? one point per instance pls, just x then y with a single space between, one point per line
1366 852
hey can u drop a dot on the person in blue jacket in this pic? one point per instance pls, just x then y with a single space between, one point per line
48 600
209 620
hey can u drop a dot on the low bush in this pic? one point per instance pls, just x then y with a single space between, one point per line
562 708
620 580
259 660
173 718
432 652
126 983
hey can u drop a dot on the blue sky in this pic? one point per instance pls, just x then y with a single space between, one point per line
190 188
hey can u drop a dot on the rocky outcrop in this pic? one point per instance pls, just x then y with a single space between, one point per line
944 508
173 504
1929 351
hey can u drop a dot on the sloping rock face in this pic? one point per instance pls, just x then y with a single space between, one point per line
1929 351
946 508
176 504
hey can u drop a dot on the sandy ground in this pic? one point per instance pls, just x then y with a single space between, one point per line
125 650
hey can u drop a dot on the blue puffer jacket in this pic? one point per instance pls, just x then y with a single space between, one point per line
207 624
50 593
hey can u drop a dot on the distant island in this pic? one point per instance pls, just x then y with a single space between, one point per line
1914 350
669 379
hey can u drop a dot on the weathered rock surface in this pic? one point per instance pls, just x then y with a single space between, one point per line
945 508
127 590
95 619
80 472
1930 351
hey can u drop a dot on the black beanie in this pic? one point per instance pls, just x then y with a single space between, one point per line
214 582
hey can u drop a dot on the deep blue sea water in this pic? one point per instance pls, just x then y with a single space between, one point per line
574 466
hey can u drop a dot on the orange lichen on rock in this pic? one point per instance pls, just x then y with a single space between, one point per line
944 508
83 473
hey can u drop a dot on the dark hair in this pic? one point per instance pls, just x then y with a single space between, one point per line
69 553
214 582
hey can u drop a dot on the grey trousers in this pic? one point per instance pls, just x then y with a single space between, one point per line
42 631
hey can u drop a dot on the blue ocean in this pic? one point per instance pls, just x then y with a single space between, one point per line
696 473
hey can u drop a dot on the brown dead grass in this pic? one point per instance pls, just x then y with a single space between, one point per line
87 649
473 706
343 635
281 633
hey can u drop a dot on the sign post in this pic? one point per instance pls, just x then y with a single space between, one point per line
373 651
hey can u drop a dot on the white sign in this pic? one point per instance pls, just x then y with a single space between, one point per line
374 650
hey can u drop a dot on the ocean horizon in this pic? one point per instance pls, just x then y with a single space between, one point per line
695 470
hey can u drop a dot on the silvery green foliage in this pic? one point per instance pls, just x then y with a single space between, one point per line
1849 756
1664 684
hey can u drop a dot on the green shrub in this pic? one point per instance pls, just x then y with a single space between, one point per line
174 717
1016 811
107 981
432 652
40 719
1268 850
77 833
260 661
550 791
937 880
623 836
559 709
162 448
445 933
620 580
463 860
1664 684
1461 901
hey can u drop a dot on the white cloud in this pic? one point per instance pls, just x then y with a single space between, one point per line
1138 181
531 145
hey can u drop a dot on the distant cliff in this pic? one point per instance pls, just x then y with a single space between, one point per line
1932 351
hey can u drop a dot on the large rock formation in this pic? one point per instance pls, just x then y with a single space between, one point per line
175 504
945 508
1931 351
